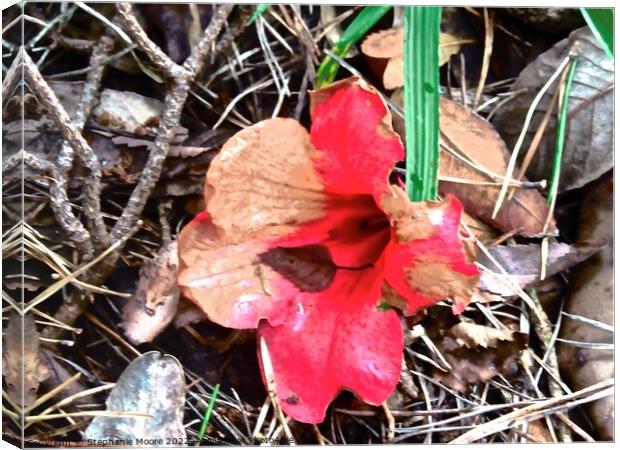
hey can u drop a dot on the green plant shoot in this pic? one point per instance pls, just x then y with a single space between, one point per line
366 18
421 62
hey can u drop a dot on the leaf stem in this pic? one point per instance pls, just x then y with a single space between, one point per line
559 137
421 60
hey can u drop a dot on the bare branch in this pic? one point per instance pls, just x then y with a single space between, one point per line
196 61
92 183
182 78
12 77
152 51
60 203
175 99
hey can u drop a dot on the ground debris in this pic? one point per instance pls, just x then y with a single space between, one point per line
477 353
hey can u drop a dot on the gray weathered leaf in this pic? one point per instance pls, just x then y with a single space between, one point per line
151 384
588 149
523 263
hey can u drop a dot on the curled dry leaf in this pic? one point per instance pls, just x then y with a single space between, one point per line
154 303
307 254
497 353
588 145
21 367
591 296
389 44
152 384
523 263
473 153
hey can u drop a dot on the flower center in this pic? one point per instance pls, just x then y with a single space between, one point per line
351 236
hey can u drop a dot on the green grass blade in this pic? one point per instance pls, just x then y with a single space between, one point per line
260 9
559 137
601 22
366 18
421 61
207 416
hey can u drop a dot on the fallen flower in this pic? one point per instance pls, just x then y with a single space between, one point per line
305 239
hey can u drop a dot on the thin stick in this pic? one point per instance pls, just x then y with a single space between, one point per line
537 410
271 387
488 50
77 142
156 55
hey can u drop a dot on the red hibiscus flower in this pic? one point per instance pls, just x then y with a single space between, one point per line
305 239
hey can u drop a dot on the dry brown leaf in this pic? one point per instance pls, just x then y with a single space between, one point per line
389 44
154 303
393 76
538 431
22 369
475 140
384 44
481 230
589 134
469 135
473 335
478 363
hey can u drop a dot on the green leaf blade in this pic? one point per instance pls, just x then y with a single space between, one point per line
260 10
601 22
363 22
421 61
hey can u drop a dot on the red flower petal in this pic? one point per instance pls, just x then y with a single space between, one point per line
352 128
426 259
228 281
338 339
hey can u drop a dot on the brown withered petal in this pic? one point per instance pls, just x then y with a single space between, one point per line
426 257
228 281
249 192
